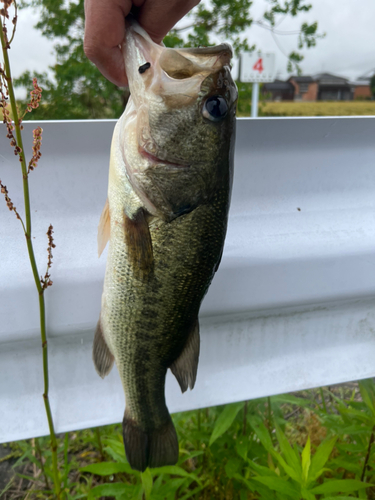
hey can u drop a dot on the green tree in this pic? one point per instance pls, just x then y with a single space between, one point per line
78 90
372 85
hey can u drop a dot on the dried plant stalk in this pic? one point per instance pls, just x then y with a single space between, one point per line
7 92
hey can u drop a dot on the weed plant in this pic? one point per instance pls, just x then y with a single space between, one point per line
12 119
313 445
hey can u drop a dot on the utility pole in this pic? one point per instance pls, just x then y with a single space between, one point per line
254 100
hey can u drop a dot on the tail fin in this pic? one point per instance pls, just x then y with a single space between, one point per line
149 449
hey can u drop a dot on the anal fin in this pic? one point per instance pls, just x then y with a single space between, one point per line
139 244
101 355
104 228
185 367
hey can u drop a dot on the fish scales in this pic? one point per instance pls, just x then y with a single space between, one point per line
180 279
166 216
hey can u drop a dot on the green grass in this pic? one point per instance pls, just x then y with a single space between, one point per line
280 448
319 108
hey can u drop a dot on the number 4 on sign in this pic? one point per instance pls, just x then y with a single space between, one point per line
258 66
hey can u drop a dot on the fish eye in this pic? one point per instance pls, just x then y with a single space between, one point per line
215 108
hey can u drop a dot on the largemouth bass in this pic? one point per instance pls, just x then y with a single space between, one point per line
170 181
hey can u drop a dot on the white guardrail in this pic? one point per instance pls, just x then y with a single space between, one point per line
291 307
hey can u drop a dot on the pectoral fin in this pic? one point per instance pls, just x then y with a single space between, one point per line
104 228
101 355
186 365
139 244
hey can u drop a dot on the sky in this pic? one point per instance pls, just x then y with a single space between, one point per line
347 50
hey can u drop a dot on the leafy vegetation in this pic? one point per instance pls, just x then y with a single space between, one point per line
372 85
280 448
78 90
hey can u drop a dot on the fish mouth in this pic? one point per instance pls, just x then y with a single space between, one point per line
222 52
155 160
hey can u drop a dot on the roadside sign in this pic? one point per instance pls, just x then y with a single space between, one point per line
257 67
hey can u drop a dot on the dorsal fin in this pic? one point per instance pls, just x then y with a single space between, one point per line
104 228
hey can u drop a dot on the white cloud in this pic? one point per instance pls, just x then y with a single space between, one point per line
347 49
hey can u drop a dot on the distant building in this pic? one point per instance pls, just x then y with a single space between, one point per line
305 88
362 89
321 87
281 91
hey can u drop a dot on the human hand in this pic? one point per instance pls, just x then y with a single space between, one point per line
105 29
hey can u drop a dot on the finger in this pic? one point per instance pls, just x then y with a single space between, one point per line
104 32
158 17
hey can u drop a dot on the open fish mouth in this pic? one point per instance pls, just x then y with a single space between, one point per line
175 74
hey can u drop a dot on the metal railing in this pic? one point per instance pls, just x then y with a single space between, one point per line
291 307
